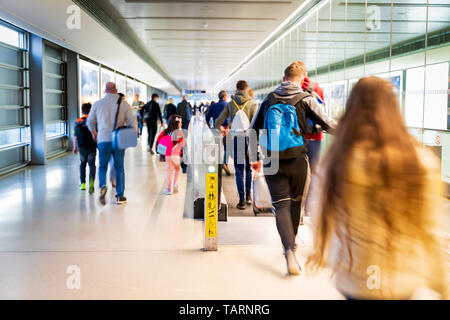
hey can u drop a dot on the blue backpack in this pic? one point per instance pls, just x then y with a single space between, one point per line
282 137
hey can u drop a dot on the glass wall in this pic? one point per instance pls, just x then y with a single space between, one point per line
405 41
14 99
89 81
106 76
93 78
121 83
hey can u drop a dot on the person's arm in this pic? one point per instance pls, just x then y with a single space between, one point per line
316 113
256 125
75 145
158 113
222 117
91 122
208 115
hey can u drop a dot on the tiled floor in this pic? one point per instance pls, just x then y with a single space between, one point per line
144 250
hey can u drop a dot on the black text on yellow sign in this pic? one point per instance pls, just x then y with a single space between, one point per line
211 205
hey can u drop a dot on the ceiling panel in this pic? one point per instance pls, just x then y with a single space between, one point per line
199 42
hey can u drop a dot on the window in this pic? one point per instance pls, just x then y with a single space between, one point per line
9 36
107 76
14 136
121 83
130 90
56 129
89 81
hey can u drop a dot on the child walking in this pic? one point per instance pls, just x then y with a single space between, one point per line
169 145
84 144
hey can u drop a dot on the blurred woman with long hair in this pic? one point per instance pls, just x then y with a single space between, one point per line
377 203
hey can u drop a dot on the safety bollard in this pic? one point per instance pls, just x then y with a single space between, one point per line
211 196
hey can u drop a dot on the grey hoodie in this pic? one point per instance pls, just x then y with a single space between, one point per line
241 97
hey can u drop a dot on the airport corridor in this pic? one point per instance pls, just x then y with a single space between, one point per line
142 250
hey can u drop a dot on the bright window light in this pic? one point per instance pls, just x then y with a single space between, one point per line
9 36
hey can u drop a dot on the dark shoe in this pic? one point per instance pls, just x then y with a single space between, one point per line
151 151
241 205
292 264
121 200
103 195
227 170
248 199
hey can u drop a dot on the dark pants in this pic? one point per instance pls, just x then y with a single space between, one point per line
87 156
152 127
241 166
287 188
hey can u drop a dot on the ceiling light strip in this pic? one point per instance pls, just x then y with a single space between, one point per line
302 13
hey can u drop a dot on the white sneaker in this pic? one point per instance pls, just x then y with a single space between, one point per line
167 192
292 264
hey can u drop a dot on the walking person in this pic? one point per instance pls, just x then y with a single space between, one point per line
290 183
172 141
101 124
243 106
378 203
182 111
152 113
169 109
137 107
85 146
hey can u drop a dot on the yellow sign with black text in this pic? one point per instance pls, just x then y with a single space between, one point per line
211 199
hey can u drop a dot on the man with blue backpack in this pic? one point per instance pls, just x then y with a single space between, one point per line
283 117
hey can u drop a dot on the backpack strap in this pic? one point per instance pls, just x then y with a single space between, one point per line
243 106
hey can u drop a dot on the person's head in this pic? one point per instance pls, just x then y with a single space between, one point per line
155 97
232 96
170 101
136 97
223 95
241 85
373 159
251 93
184 98
86 108
110 87
295 73
173 123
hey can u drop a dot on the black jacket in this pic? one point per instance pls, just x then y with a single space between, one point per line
182 109
169 110
152 112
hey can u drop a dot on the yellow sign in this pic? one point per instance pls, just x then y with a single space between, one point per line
211 205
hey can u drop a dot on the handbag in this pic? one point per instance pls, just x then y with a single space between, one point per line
123 137
262 200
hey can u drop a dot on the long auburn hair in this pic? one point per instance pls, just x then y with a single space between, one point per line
373 126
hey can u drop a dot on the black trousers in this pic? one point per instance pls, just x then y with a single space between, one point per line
152 127
87 156
288 189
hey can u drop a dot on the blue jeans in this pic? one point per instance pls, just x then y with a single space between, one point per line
313 147
105 150
241 164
